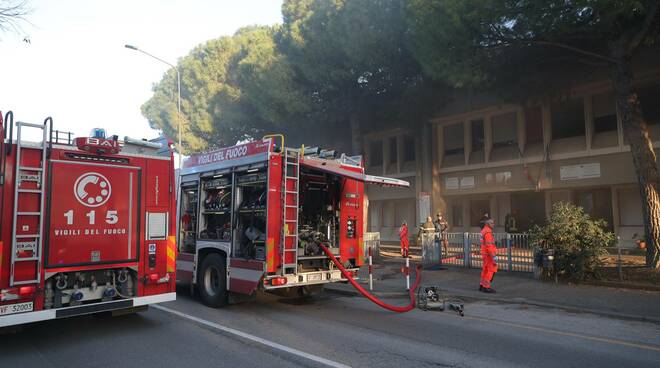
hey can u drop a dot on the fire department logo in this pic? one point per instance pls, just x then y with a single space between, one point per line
92 189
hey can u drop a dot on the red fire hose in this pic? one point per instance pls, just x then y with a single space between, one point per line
364 292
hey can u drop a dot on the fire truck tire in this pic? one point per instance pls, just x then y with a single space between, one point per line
310 290
212 281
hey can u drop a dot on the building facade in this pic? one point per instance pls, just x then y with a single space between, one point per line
481 156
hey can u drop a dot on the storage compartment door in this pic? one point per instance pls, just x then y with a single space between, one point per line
93 214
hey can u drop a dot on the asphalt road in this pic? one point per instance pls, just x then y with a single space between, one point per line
333 330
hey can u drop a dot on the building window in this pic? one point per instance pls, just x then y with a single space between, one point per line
604 108
629 204
596 202
457 215
376 153
405 211
505 128
408 148
567 119
375 215
394 152
649 98
454 141
478 207
477 135
389 214
534 125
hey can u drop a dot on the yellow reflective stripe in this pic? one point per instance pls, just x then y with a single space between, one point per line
361 250
270 254
171 254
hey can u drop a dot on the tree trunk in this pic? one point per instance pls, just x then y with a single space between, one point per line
636 132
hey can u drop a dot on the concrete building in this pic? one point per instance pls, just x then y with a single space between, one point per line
479 155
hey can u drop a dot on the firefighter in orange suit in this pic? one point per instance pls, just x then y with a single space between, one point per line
403 236
489 256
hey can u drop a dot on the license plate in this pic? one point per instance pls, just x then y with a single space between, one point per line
314 277
15 308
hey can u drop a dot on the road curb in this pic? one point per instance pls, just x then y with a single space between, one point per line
621 285
520 301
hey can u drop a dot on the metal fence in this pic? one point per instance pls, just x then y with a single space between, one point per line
514 252
372 240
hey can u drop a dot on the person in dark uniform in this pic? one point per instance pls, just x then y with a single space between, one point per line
441 227
511 222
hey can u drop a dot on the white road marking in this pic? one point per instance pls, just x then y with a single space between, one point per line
253 338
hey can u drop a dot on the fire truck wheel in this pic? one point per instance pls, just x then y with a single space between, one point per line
212 281
310 290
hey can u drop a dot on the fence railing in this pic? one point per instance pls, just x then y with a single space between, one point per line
514 252
371 240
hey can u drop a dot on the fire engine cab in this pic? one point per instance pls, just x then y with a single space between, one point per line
252 216
86 224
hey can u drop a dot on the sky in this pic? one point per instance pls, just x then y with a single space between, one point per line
76 69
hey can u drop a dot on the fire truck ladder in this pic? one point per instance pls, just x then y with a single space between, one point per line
290 211
28 247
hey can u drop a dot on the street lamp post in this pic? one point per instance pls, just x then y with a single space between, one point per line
178 87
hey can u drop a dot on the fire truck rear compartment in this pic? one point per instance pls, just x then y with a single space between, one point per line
318 219
68 289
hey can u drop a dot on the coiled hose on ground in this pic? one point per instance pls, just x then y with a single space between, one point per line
393 308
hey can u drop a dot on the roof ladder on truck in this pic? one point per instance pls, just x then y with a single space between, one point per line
27 247
290 212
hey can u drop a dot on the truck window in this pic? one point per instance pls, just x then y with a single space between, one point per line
188 219
251 199
215 223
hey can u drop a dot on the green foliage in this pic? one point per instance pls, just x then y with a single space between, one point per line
330 62
378 61
578 240
520 46
354 58
232 88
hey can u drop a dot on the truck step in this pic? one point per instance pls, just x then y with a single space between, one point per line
30 191
28 168
25 259
25 282
32 125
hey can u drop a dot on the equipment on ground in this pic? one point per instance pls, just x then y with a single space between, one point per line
430 298
267 213
86 223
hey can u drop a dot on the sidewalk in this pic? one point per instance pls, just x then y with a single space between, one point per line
514 287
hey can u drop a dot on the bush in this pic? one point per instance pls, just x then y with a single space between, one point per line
577 240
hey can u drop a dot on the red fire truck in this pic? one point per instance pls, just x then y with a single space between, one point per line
86 224
252 216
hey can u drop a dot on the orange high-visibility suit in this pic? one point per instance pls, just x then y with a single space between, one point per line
405 243
488 254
